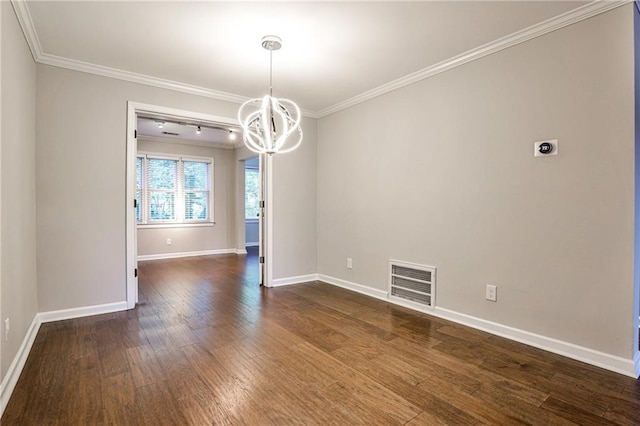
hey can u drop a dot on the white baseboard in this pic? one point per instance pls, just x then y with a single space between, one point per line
187 254
240 251
85 311
569 350
256 244
294 280
628 367
15 369
358 288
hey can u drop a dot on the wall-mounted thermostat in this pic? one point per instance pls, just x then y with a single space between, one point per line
545 148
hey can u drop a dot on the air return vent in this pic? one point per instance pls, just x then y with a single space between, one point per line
412 283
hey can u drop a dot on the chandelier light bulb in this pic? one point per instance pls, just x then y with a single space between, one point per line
270 125
198 130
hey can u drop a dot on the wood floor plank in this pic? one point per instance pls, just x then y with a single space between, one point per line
118 399
144 366
361 386
207 346
573 413
157 406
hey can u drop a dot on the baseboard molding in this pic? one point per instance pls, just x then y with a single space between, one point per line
278 282
256 244
143 257
63 314
15 369
358 288
240 251
628 367
560 347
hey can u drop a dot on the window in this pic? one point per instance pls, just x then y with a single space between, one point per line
251 193
162 188
173 190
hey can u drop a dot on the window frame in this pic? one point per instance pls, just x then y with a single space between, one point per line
180 191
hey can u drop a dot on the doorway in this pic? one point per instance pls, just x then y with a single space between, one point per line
134 112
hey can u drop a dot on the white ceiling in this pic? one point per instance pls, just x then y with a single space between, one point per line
210 134
333 54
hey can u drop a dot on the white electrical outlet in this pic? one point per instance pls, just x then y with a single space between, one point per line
491 293
168 241
349 263
6 329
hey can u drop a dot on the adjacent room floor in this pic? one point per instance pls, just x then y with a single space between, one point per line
207 346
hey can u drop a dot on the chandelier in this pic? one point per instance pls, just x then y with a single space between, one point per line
270 125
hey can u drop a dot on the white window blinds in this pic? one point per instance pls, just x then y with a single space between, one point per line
174 189
162 186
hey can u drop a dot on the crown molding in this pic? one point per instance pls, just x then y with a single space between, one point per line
584 12
148 80
26 22
28 29
133 77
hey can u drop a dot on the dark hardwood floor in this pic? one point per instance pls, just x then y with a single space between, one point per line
207 346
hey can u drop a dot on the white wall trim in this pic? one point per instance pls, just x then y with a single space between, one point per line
187 254
358 288
17 365
63 314
278 282
133 77
569 350
587 11
15 369
28 29
256 244
628 367
240 251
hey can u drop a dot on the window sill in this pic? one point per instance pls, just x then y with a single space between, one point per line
175 225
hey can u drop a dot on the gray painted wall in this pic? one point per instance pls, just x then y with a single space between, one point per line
295 206
252 232
153 241
18 193
442 173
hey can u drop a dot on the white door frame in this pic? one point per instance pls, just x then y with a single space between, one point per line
133 109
